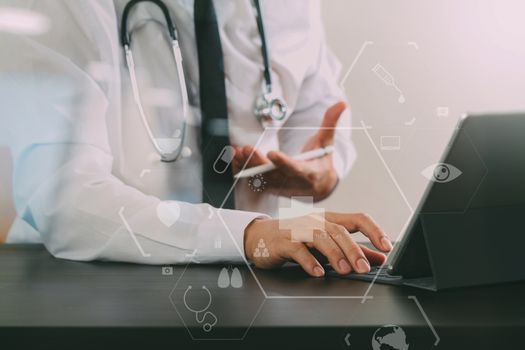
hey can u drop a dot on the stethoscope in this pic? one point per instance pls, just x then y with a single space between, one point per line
207 327
269 109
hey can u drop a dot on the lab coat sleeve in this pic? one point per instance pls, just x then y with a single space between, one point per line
64 186
318 91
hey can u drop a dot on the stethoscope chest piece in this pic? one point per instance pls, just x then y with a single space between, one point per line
270 110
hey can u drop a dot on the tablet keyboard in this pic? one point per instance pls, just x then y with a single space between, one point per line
381 272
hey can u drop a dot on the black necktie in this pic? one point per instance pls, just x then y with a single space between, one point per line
216 152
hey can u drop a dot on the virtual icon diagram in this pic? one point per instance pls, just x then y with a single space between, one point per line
390 143
261 250
167 270
217 243
302 206
442 112
204 317
206 308
257 183
226 280
168 213
387 78
441 172
224 159
389 337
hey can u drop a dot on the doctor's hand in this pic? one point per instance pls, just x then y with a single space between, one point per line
268 245
316 177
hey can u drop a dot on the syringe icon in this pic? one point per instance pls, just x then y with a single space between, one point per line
388 79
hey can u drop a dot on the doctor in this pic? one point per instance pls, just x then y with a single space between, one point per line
95 127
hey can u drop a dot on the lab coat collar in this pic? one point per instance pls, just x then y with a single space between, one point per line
97 19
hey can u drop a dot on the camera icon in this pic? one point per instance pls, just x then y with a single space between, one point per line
167 270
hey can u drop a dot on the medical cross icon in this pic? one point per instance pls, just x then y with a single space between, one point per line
302 206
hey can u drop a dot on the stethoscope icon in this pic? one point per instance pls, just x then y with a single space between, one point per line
207 327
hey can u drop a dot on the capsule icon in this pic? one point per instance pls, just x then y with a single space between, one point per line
224 159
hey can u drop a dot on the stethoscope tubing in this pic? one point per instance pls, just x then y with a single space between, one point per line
265 106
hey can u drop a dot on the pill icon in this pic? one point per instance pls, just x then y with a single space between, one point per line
224 159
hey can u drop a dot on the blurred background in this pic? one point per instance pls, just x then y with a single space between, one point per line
410 69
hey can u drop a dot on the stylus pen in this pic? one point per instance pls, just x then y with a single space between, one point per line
316 153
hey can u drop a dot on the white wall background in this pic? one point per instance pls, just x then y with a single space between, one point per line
471 57
466 55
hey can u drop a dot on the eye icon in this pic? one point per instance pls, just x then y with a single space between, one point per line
441 172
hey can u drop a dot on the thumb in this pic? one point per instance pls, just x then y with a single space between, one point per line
331 117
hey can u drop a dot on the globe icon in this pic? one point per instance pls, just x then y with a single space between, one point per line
389 337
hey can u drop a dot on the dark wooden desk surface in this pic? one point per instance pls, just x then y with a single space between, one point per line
58 302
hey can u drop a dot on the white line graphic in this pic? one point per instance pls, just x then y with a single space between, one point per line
128 228
438 339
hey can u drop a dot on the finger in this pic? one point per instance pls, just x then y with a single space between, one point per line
299 253
247 150
257 159
239 156
236 166
327 132
285 163
352 250
333 252
366 225
238 152
254 157
374 257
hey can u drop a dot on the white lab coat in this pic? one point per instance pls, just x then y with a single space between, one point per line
85 171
